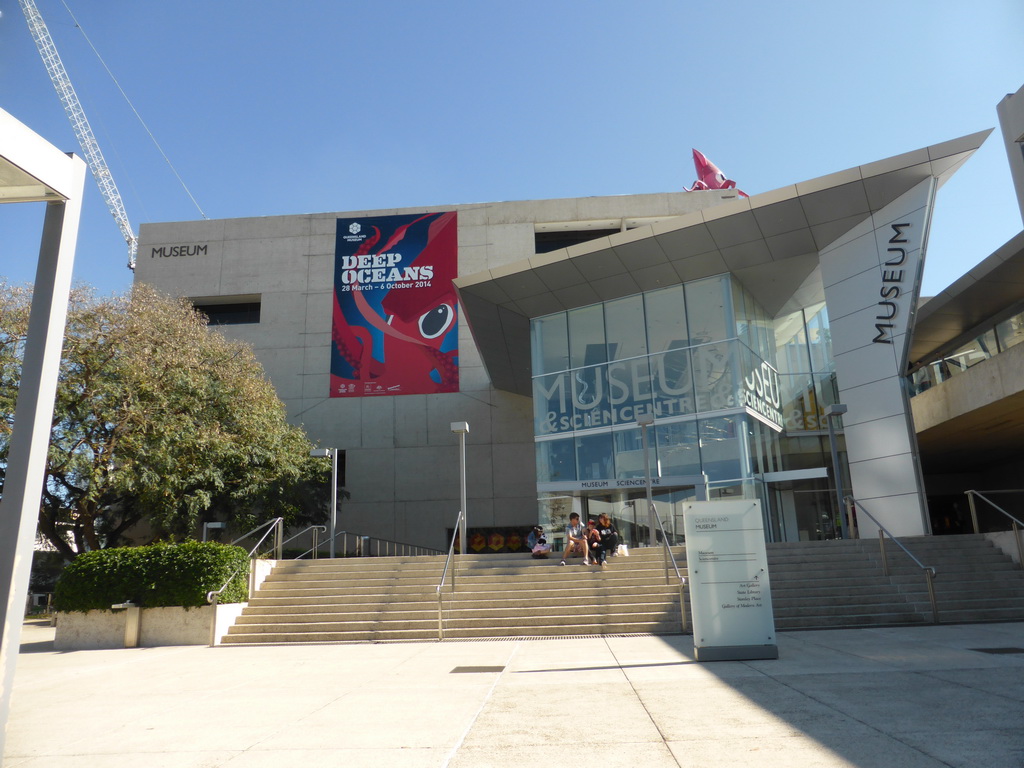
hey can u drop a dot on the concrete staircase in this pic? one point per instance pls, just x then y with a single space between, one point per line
815 585
830 584
513 597
975 582
395 598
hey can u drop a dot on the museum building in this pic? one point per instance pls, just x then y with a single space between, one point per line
715 328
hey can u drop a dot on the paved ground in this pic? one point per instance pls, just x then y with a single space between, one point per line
908 697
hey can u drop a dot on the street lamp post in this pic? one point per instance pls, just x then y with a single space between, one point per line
323 453
461 428
207 527
644 422
836 410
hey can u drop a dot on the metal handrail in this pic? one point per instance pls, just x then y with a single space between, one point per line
669 558
212 595
317 530
277 522
929 570
390 547
444 574
1015 524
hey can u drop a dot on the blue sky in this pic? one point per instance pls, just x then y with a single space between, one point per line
272 107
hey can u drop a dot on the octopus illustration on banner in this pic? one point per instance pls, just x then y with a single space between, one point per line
709 177
395 329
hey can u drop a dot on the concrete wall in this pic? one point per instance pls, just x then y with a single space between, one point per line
402 460
1005 542
991 381
94 630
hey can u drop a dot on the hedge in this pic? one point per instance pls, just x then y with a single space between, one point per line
153 576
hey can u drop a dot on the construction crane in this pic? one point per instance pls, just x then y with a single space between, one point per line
80 125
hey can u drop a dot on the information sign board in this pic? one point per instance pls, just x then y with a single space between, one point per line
394 329
730 593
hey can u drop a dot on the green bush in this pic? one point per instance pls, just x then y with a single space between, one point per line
153 576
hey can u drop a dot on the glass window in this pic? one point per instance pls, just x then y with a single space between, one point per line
594 456
923 379
708 310
629 389
672 383
721 447
678 449
753 326
1011 332
553 510
827 387
666 319
552 404
715 376
804 398
231 314
745 309
629 454
749 489
624 326
765 328
805 452
590 397
556 460
819 338
586 337
766 453
791 338
969 355
549 344
800 405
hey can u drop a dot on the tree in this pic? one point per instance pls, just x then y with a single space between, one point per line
157 419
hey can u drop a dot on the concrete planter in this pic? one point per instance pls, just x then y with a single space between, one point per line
133 627
145 627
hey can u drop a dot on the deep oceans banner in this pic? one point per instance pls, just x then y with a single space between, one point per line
395 329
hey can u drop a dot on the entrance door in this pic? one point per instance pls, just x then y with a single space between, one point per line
628 510
803 510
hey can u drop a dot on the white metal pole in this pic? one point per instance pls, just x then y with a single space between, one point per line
30 437
334 497
651 521
461 428
832 411
464 546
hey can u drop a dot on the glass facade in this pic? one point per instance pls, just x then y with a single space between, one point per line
734 393
999 338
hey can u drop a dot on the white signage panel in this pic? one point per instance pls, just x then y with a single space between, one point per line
730 593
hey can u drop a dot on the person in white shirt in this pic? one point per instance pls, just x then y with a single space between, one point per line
575 539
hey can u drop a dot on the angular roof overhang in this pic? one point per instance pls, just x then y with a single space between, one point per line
770 242
983 435
990 292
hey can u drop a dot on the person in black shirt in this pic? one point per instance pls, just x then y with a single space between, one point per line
609 541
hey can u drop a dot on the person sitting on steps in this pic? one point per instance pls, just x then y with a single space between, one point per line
609 539
593 541
538 543
575 539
